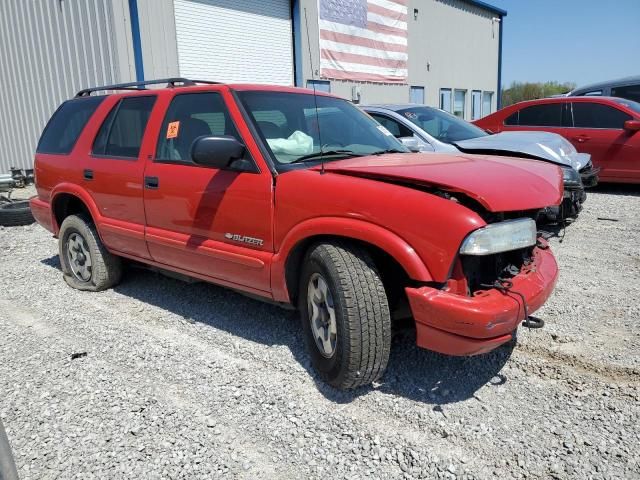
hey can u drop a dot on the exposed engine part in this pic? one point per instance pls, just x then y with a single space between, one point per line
487 269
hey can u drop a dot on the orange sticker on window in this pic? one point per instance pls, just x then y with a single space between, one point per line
172 129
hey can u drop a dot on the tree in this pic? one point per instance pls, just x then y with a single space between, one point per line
521 91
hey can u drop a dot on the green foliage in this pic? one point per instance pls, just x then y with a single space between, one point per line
521 91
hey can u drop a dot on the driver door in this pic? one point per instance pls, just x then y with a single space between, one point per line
203 220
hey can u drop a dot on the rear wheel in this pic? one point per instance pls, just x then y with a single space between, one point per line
86 263
345 315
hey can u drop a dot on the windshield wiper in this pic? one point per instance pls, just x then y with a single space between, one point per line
389 150
328 153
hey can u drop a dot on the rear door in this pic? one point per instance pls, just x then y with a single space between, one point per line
598 130
113 172
203 220
549 117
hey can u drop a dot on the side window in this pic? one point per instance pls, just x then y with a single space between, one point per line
631 92
597 115
513 119
547 115
66 124
396 128
192 115
121 132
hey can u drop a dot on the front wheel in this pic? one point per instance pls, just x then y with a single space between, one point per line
345 315
86 263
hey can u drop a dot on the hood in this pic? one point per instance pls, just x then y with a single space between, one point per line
499 184
541 145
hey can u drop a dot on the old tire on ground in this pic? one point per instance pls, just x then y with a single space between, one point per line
86 263
15 213
345 314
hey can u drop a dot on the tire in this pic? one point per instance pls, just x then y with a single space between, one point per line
13 214
86 263
356 343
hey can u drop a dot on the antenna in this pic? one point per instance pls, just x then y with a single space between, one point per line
315 97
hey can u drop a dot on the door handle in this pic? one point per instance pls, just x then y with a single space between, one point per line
581 138
151 183
87 174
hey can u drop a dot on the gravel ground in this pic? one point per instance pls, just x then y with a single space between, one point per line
194 381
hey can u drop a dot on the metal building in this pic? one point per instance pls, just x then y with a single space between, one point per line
50 49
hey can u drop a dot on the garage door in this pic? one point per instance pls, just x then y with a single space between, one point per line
235 40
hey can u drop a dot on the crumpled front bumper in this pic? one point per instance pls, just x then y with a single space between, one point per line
458 325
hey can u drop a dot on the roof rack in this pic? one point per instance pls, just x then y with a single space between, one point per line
171 82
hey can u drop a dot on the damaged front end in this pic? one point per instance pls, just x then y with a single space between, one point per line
503 272
573 198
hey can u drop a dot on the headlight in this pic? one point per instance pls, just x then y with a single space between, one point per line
501 237
570 176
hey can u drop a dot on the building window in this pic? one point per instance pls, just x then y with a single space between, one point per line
459 103
476 104
487 101
320 85
416 95
445 99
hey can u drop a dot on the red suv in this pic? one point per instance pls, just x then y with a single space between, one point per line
303 200
605 127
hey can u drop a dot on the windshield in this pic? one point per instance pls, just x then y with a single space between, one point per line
293 131
442 125
635 106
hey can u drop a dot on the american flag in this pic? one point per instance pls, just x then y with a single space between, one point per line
363 40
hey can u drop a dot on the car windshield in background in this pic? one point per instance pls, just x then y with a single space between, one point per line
295 132
635 106
442 125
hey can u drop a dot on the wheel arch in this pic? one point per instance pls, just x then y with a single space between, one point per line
70 200
390 252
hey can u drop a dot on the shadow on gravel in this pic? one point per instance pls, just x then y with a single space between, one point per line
616 189
414 373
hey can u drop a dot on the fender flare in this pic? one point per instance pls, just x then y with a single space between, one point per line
76 191
352 228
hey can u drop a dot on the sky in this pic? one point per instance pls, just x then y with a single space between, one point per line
581 41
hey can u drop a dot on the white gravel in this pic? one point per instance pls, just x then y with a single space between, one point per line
194 381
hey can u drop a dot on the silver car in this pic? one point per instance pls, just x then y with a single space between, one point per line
429 129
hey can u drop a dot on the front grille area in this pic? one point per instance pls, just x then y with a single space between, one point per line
486 269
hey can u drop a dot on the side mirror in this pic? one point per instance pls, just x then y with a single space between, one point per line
632 126
411 143
216 152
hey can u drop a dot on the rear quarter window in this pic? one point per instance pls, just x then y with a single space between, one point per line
61 133
512 119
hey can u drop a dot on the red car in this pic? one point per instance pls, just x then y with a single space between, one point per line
301 200
605 127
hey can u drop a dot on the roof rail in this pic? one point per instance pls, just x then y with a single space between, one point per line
171 82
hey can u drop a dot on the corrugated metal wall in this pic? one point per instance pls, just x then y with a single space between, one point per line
50 49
